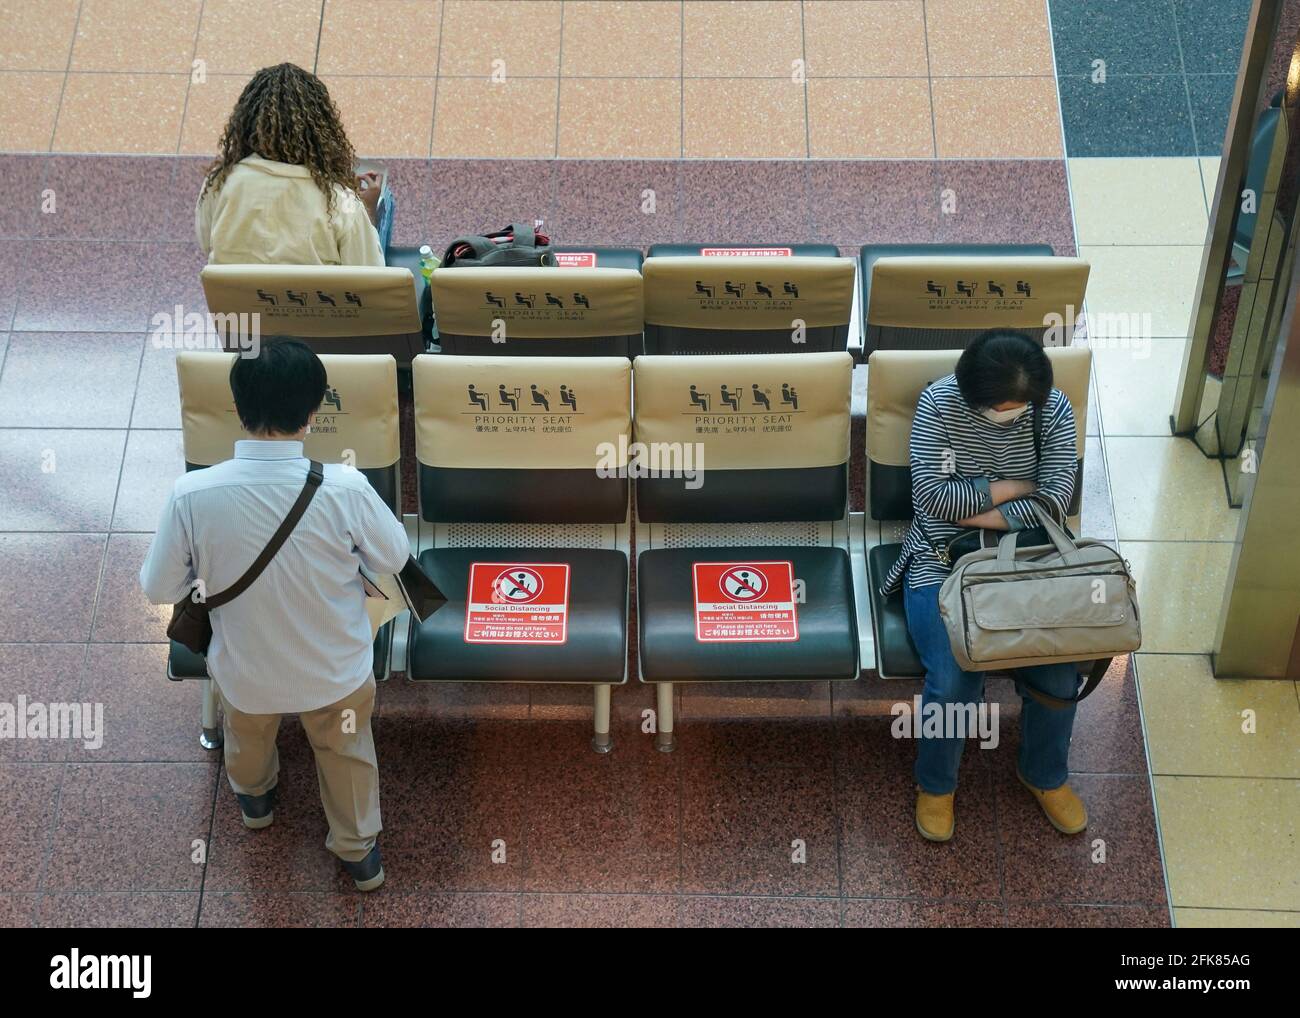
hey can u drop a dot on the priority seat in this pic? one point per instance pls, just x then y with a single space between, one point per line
762 303
332 308
356 424
522 476
512 311
895 380
941 296
744 571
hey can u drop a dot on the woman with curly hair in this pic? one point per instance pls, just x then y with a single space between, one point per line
283 188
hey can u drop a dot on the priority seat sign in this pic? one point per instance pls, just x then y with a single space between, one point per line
745 602
517 602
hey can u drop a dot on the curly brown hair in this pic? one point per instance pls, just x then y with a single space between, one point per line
286 114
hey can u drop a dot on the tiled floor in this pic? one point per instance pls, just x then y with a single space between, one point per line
863 113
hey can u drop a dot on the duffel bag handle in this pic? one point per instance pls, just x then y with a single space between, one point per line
525 235
1064 544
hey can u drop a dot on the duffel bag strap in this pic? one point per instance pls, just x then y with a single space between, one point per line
524 235
1095 675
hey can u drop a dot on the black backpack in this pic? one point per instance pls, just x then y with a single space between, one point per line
516 245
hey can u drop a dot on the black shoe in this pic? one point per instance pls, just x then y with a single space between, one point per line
368 873
258 810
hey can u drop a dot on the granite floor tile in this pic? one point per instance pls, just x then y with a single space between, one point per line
570 702
175 294
763 43
1211 34
475 33
870 118
1042 865
391 907
1235 918
865 38
1132 36
1138 201
173 213
1199 572
1097 519
600 822
1127 115
758 808
85 286
29 802
632 203
1230 842
1087 916
45 673
20 194
131 827
1166 489
1198 724
454 800
407 702
130 113
481 117
1211 96
642 40
279 910
874 202
881 851
744 118
358 37
47 586
758 913
1020 202
706 700
767 201
38 44
405 129
119 909
14 257
411 182
18 911
207 109
987 37
27 119
136 35
146 718
633 118
43 369
1137 386
1159 282
59 479
122 613
895 913
600 911
996 118
239 36
106 198
153 461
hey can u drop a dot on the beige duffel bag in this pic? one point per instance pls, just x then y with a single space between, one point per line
1011 607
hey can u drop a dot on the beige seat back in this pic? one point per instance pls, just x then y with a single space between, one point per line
943 302
537 440
332 308
512 312
738 304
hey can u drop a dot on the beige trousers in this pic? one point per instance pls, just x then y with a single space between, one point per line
345 764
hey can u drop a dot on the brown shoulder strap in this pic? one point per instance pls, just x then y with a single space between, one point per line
315 474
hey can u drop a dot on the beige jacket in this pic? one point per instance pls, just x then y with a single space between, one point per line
269 212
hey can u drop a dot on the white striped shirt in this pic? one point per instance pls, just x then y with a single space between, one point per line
299 637
956 452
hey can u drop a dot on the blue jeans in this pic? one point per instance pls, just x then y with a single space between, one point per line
1044 731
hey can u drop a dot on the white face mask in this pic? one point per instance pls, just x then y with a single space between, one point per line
1003 416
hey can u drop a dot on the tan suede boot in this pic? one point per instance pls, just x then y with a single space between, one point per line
934 817
1065 810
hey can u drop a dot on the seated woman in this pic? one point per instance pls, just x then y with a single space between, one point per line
283 189
975 463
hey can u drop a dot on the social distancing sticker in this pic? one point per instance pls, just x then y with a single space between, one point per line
517 602
745 602
575 259
746 252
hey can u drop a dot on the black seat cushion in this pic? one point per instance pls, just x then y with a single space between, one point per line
827 647
595 650
183 663
895 654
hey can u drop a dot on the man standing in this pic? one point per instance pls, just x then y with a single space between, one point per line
298 640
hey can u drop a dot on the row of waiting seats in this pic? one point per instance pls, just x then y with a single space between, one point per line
750 569
681 299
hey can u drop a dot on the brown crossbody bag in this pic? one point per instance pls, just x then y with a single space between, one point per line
191 624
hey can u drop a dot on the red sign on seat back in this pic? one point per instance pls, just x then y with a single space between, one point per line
517 602
746 252
575 259
745 602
